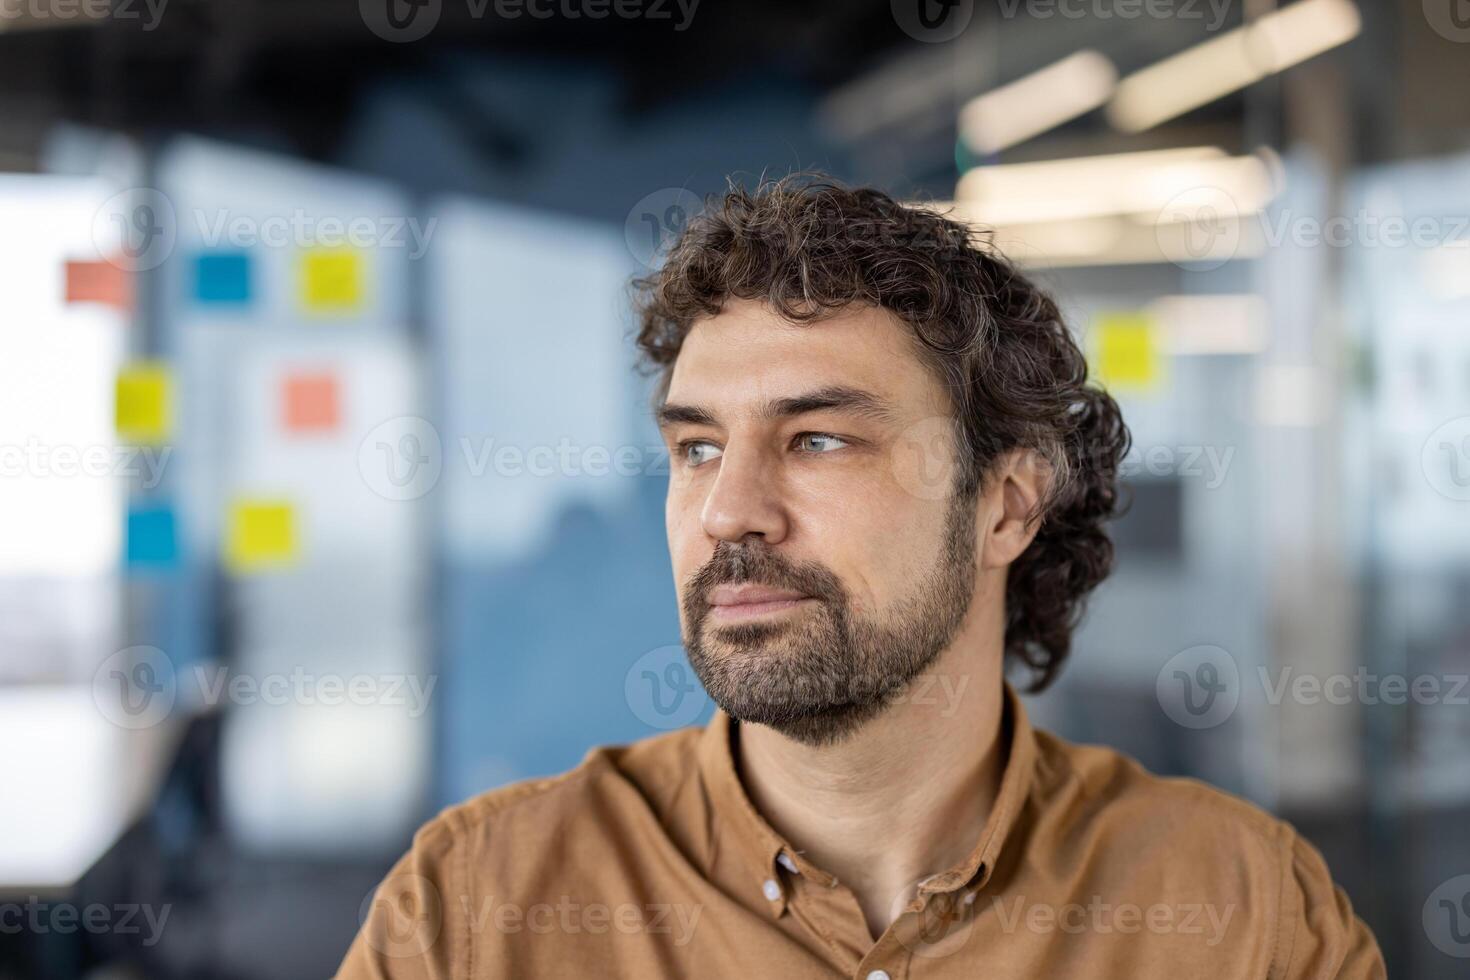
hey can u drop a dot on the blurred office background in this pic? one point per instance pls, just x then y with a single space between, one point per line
329 497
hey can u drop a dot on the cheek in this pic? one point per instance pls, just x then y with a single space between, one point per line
688 546
879 540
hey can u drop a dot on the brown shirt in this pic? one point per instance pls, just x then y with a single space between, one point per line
650 861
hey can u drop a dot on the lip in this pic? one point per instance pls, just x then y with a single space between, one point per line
743 601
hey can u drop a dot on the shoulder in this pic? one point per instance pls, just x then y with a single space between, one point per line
1150 838
489 864
1092 786
521 827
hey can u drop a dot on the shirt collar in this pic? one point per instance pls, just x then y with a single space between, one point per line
761 845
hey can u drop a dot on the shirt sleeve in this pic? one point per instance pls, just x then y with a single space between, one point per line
1321 938
412 923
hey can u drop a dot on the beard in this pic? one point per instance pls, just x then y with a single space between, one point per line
820 676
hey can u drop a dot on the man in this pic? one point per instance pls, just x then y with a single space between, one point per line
889 476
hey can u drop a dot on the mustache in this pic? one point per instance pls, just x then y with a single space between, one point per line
751 562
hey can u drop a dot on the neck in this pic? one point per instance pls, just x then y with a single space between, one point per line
904 797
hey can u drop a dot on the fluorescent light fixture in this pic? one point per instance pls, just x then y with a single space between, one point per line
1037 102
1055 189
1116 239
1159 185
1231 62
1120 240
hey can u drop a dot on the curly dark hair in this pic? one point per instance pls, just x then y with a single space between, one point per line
809 247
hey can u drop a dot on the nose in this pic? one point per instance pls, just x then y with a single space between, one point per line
744 501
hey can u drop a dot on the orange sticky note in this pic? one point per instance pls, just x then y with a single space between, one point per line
309 403
99 282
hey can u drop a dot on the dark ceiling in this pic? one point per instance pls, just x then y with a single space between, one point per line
296 66
293 70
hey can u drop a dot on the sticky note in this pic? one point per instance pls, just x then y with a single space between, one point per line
331 280
222 278
309 402
99 282
1125 351
260 534
152 537
144 403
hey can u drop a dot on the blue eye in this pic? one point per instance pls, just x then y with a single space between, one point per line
819 442
699 452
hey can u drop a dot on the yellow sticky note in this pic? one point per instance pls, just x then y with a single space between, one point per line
331 280
261 534
144 406
1125 351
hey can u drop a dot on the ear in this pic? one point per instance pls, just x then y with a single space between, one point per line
1010 505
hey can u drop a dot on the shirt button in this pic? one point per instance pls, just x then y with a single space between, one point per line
771 890
878 975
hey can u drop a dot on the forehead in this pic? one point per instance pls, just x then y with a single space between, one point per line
748 354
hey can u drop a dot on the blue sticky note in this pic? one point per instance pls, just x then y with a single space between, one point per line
152 538
222 277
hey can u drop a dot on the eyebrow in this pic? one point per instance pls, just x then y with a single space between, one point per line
839 398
